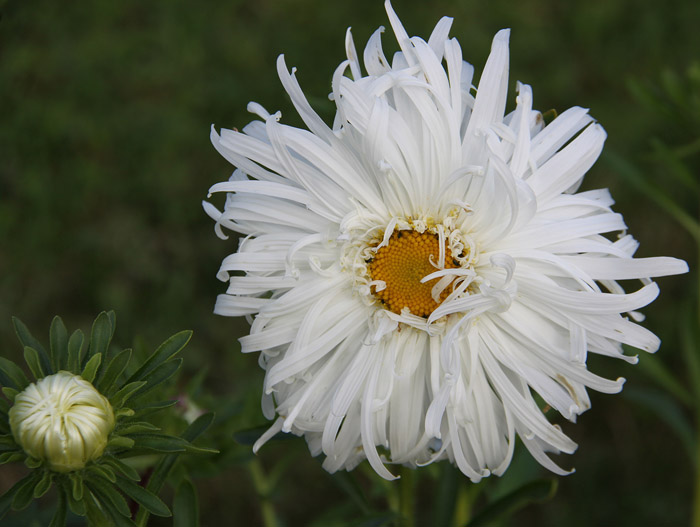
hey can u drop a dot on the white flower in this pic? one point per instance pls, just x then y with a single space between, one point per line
63 420
417 272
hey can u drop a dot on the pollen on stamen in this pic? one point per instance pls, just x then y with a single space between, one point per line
401 264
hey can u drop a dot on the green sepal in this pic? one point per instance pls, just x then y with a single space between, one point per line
186 505
4 406
75 352
91 367
124 412
109 494
77 486
112 372
125 469
76 505
159 375
10 457
118 442
165 351
44 484
123 395
101 471
59 517
101 335
94 512
25 493
10 393
31 357
32 462
27 339
58 339
140 426
12 375
144 497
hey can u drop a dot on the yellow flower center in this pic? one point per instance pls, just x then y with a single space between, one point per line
402 264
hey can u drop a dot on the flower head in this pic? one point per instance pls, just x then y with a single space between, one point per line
63 420
417 272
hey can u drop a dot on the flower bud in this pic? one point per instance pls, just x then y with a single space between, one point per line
63 420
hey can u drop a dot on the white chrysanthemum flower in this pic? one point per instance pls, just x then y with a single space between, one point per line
418 272
63 420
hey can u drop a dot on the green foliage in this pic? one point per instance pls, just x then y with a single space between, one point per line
97 491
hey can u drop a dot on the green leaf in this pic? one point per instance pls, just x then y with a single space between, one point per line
165 351
25 493
77 487
10 393
107 493
656 370
98 470
27 339
143 496
160 442
12 375
32 462
75 505
186 505
101 335
127 470
11 457
59 517
91 367
159 375
119 442
123 395
347 482
198 426
134 428
75 352
96 515
112 372
58 337
534 492
446 495
31 357
44 484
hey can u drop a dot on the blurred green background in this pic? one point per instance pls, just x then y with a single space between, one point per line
105 109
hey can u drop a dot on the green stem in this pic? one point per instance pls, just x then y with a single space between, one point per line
262 488
407 497
463 503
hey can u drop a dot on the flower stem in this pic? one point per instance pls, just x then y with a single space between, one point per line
407 497
262 487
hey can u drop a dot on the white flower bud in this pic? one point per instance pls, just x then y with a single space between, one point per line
63 420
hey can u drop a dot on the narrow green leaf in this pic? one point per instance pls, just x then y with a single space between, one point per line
159 375
10 393
123 395
11 457
657 371
77 488
690 343
143 496
347 482
160 442
44 484
25 493
127 470
101 334
534 492
134 428
165 351
58 337
112 372
27 339
31 357
145 408
75 352
101 471
7 498
96 515
112 316
12 375
75 505
198 426
91 367
108 493
59 517
446 495
186 505
119 442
